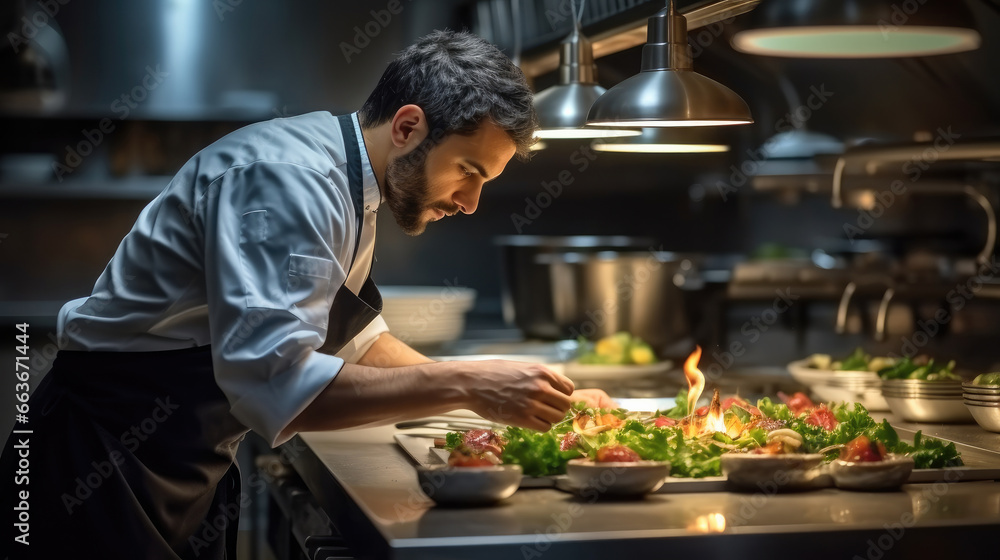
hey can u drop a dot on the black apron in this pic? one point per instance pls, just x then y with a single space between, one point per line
133 454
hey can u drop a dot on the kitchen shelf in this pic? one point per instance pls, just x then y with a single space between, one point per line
137 188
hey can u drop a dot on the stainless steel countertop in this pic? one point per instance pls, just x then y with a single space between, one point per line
369 488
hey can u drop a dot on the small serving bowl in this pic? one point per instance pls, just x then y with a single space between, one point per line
617 479
468 486
774 473
887 474
985 414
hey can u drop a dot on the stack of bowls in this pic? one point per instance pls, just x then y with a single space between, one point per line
915 400
983 402
426 315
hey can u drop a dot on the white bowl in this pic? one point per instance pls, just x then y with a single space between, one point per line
616 479
877 475
840 386
468 486
988 416
774 473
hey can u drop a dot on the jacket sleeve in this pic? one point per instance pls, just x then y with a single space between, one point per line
276 242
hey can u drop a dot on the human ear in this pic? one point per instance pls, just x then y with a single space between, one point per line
409 127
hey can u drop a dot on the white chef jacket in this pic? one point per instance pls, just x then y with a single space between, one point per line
245 250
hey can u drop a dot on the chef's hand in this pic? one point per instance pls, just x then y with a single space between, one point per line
517 393
594 398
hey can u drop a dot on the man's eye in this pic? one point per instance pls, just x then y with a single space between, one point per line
465 172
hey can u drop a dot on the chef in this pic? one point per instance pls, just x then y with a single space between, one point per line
241 299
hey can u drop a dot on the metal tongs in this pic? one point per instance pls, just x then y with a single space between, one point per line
446 423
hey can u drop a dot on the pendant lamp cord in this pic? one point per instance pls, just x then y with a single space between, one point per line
515 17
578 14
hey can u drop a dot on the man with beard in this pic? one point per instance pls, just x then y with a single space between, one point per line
241 299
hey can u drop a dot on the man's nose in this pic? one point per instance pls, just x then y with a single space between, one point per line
468 199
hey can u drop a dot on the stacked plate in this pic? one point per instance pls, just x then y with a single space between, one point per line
426 315
916 400
983 402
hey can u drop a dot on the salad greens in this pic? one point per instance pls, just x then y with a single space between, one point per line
887 367
987 379
539 453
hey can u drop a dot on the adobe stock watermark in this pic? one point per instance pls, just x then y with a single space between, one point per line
365 33
625 290
819 96
894 532
131 440
121 106
595 488
913 169
766 489
225 7
30 26
900 16
419 321
752 330
957 298
219 522
580 159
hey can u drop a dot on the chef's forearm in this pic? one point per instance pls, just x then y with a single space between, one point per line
362 395
388 351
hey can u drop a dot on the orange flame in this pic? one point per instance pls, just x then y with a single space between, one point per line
715 422
695 379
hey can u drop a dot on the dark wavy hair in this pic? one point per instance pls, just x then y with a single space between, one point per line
458 79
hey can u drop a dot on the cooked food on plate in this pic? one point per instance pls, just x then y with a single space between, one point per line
621 348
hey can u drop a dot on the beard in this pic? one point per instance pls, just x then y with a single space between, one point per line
407 190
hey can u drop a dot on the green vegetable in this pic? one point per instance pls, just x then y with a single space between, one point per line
857 361
987 379
680 409
908 369
537 452
452 440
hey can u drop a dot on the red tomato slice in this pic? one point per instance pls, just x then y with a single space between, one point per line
664 422
617 454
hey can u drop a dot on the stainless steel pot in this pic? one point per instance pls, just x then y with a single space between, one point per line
565 287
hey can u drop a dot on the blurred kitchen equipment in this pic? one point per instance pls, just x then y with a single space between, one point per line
426 315
565 287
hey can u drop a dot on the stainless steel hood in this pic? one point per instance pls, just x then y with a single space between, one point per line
227 59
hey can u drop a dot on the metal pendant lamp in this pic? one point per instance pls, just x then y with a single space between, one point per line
667 91
562 109
859 29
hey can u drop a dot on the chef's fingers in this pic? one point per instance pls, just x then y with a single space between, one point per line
555 400
559 381
547 414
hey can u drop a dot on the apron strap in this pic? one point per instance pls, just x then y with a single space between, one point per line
353 154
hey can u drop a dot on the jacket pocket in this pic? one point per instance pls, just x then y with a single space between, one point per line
308 288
